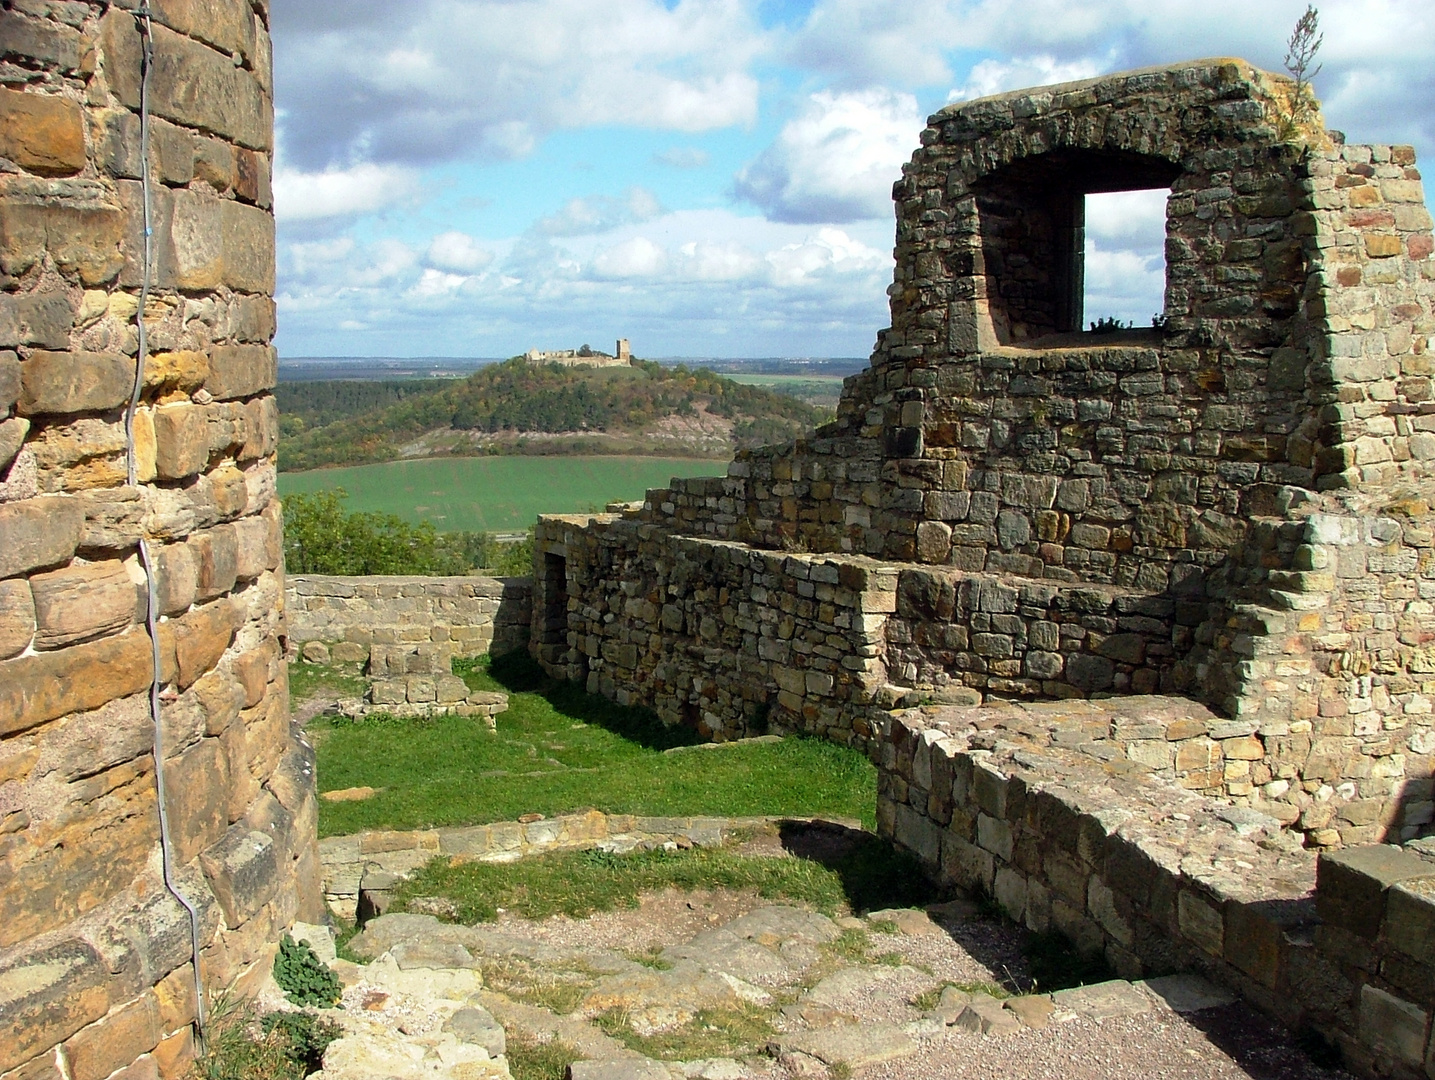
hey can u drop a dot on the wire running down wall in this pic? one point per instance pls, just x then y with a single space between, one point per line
143 541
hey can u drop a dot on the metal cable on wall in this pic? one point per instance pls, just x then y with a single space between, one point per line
144 24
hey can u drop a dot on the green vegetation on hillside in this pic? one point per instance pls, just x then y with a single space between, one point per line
304 406
495 494
557 750
516 398
320 537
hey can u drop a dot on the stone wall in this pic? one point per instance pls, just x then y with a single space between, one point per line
1231 505
96 966
471 615
1024 806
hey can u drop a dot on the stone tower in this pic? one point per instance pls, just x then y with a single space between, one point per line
97 953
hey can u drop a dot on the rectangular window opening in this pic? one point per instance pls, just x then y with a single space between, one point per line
1123 264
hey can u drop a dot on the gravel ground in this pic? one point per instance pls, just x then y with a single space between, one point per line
1230 1043
1217 1044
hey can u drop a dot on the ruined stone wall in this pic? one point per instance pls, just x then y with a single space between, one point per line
95 956
474 615
1232 504
1022 806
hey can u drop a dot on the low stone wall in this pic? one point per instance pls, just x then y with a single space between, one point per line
472 614
347 859
1025 806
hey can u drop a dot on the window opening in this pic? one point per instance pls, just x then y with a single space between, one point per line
1070 238
1124 259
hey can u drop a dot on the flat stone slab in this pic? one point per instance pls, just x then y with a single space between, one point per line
1033 1010
1100 1001
619 1069
855 1044
987 1016
1188 993
910 921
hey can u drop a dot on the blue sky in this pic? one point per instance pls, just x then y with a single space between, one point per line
704 177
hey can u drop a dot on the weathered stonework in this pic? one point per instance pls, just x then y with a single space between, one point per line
96 967
1229 513
467 615
1228 505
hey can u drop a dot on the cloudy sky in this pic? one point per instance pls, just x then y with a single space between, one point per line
705 177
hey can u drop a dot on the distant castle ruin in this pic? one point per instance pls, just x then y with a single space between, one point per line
584 357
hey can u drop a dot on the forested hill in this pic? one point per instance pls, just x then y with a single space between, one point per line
523 407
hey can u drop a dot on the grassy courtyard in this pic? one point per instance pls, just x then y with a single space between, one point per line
558 750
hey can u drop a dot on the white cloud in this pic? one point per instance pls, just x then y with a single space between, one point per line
1131 219
826 251
837 160
457 253
996 77
432 80
1124 285
635 258
359 189
600 213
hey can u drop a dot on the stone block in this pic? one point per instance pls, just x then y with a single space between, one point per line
43 686
80 602
83 237
201 637
248 248
1410 918
42 133
216 553
192 85
224 25
114 1041
261 428
1200 922
47 42
197 790
239 371
176 578
1393 1025
243 872
181 441
74 382
39 533
42 318
253 555
1351 884
17 617
48 994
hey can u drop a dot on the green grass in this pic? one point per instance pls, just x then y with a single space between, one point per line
559 750
711 1033
307 680
578 883
495 494
529 1059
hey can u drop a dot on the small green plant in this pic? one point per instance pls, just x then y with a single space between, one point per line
303 977
529 1059
307 1035
1305 41
1109 324
242 1044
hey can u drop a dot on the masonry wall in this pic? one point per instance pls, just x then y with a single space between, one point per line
1233 504
1021 805
96 969
474 615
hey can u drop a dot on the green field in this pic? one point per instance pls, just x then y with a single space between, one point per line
495 494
